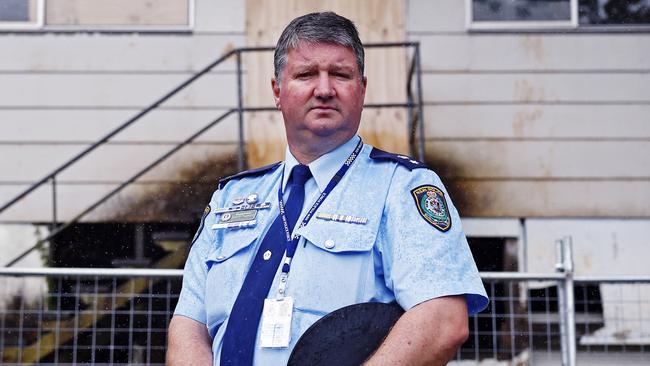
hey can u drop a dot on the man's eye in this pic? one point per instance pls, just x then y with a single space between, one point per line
341 75
303 75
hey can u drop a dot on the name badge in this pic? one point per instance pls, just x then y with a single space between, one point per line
276 323
236 219
241 215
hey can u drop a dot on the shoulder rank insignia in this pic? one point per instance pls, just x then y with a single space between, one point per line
403 160
248 173
431 204
206 212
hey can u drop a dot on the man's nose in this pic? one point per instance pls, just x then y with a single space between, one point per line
324 88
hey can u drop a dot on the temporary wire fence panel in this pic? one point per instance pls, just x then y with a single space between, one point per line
99 316
89 319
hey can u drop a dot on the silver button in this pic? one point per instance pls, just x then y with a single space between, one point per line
220 258
267 255
329 243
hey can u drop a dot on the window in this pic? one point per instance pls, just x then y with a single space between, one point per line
21 14
111 15
556 14
611 12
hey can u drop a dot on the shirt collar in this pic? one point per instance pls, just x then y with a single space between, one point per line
323 168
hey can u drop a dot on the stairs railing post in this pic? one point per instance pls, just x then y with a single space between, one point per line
418 64
240 114
54 203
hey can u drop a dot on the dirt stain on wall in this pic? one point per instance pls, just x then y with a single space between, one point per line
181 201
462 194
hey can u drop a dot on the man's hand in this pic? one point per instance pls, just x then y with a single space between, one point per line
188 342
428 334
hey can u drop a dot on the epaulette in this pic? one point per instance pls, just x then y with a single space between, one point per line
403 160
248 173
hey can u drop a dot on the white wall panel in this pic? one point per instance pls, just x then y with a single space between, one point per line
81 125
223 16
538 121
71 200
601 247
109 163
125 90
547 88
542 159
116 52
578 198
537 52
435 16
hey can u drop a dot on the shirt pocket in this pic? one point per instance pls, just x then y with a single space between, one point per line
227 265
333 267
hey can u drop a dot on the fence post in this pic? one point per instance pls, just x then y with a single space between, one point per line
566 303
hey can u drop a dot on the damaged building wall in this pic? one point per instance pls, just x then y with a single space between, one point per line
535 124
518 125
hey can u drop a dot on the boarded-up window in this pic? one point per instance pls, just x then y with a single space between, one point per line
117 13
97 14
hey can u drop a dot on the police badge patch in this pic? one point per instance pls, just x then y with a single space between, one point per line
432 206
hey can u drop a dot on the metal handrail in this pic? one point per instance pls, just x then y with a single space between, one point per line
183 85
117 130
240 109
110 194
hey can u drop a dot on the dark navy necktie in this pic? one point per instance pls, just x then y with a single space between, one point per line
241 331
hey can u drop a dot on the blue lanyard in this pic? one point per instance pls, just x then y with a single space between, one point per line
292 243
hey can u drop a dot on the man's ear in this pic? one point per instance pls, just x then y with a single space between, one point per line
276 92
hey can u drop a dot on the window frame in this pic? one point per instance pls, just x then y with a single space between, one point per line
33 25
509 25
41 26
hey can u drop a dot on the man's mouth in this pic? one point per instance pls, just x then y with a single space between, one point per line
324 107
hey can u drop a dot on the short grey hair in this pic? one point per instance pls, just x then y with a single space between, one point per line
325 27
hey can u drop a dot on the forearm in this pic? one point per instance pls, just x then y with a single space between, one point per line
428 334
188 343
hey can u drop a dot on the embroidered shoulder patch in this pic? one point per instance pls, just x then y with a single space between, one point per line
432 206
206 212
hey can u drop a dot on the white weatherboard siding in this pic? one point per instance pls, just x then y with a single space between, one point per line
513 116
535 124
60 92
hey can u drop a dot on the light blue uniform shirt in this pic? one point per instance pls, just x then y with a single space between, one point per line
395 256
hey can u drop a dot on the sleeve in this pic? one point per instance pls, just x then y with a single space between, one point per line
424 251
191 299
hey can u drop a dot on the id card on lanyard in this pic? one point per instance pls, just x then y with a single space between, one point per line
278 311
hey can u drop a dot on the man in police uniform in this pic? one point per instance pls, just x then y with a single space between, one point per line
374 226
